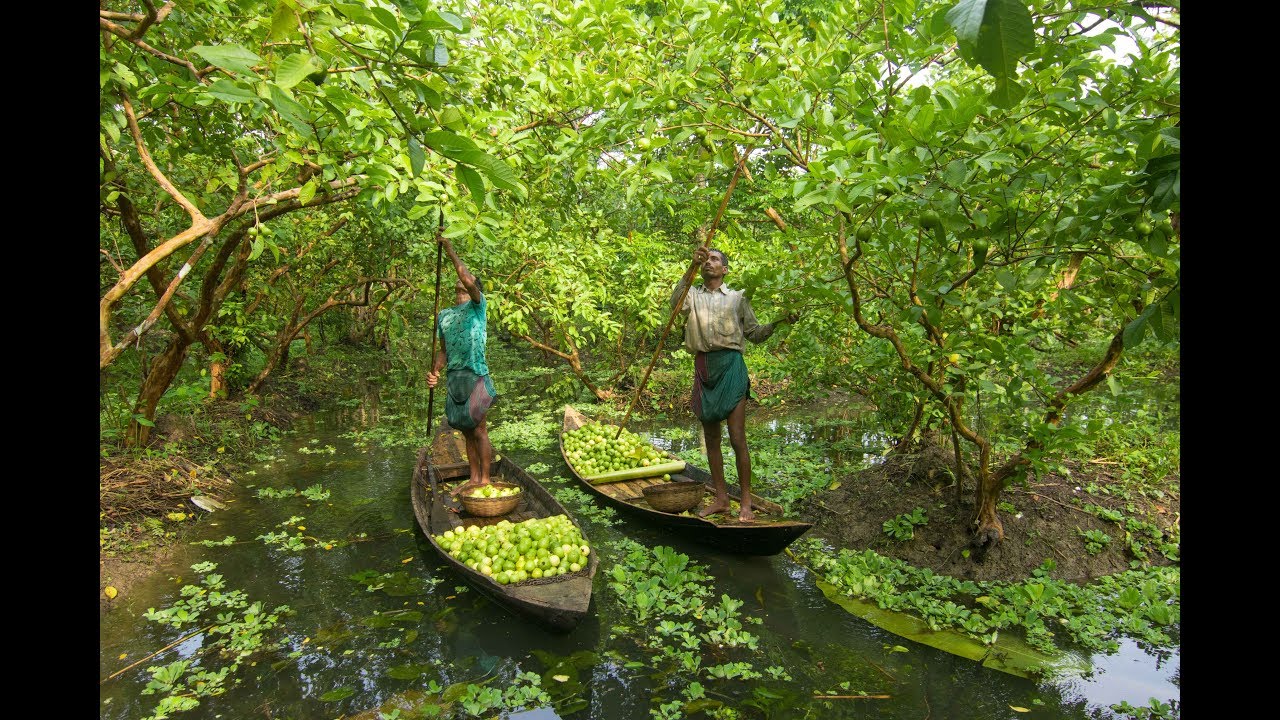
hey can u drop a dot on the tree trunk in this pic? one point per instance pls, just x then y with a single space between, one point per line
163 371
903 443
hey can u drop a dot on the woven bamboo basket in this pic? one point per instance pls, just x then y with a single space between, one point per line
493 507
675 496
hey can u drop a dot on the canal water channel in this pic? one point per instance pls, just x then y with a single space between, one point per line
377 619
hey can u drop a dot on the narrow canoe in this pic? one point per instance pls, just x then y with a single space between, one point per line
769 534
558 603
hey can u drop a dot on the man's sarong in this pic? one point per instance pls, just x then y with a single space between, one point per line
468 399
720 381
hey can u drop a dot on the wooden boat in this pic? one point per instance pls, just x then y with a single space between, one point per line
768 534
558 602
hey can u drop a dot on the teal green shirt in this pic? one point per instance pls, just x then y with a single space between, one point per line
462 328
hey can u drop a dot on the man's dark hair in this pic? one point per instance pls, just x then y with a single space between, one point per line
723 257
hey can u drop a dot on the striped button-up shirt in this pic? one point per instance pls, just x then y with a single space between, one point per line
720 319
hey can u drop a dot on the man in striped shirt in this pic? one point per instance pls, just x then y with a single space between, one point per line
719 322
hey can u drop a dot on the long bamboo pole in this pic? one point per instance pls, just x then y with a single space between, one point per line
431 394
687 280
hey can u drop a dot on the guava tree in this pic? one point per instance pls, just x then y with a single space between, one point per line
219 117
964 186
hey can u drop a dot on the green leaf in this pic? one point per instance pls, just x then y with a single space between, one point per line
229 57
386 20
994 34
1157 323
356 13
933 315
440 55
463 150
966 18
452 119
474 183
410 672
659 170
289 109
284 22
1156 244
1007 93
307 192
1137 328
338 694
231 91
142 420
1006 279
956 173
295 68
440 20
1007 36
417 156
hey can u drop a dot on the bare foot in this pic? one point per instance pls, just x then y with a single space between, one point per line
718 506
746 515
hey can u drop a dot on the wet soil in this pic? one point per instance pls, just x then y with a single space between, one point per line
1046 522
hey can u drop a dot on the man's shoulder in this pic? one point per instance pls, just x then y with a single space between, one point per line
725 289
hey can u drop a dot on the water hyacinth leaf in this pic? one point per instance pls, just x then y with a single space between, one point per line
701 705
410 672
229 57
338 694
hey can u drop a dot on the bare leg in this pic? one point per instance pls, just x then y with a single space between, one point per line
715 457
474 461
738 439
484 451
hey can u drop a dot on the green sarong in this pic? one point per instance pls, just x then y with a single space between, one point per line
468 399
720 382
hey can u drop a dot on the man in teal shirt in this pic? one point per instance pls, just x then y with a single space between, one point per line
462 330
720 321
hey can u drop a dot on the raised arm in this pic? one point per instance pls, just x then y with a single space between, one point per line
468 280
700 254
